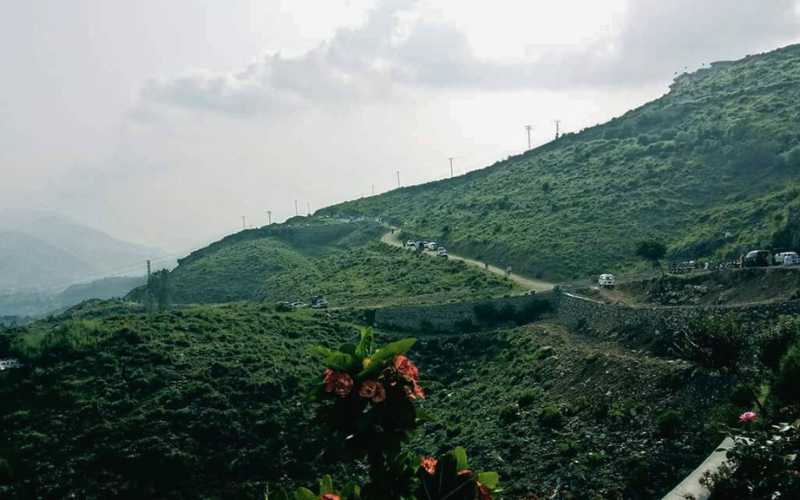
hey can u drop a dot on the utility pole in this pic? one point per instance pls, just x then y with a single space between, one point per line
451 166
269 217
296 211
529 128
373 190
244 222
308 205
398 178
558 124
148 271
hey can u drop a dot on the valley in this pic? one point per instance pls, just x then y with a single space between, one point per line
203 380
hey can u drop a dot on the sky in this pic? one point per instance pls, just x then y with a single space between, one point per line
163 122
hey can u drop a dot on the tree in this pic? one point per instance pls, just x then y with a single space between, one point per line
652 251
159 290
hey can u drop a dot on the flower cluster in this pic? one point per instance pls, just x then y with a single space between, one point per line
402 372
368 397
451 477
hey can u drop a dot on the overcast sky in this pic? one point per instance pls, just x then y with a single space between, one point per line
164 121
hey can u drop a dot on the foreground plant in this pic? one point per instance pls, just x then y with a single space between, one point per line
366 397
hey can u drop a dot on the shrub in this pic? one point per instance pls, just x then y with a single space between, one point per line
786 382
509 413
550 416
718 343
760 466
777 340
529 396
668 423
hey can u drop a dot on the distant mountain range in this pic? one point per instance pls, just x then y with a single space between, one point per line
47 252
35 304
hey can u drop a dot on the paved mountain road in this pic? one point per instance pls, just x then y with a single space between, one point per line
390 238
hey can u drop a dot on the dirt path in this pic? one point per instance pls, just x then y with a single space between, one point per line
390 238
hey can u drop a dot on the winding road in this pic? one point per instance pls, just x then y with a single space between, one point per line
390 238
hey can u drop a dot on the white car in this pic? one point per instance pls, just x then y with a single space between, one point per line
791 259
607 281
442 252
431 245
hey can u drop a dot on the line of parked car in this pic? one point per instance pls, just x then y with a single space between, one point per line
430 246
317 302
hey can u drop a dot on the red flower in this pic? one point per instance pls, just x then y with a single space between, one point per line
748 416
329 496
372 390
415 392
338 382
368 389
429 464
327 379
406 367
380 394
484 493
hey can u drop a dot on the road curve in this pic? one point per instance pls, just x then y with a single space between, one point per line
390 238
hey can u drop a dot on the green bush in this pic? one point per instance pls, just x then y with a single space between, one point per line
550 416
787 385
668 423
777 340
718 343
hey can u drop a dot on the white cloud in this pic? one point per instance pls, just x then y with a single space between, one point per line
389 52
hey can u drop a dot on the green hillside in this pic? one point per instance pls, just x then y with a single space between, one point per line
209 402
343 261
712 168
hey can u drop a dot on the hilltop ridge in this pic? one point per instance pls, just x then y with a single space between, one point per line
711 168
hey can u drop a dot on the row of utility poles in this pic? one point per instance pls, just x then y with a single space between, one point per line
528 129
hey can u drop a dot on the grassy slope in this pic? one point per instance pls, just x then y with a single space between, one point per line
719 153
488 390
198 403
207 402
341 261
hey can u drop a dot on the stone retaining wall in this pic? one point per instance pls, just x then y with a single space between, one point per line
448 318
612 319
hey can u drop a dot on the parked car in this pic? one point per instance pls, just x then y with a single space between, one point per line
756 258
284 306
607 281
431 245
790 259
442 252
319 302
299 305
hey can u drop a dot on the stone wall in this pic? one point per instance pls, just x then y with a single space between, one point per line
612 319
449 318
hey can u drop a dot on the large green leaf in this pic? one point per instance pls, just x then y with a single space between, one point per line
337 360
461 458
326 485
386 353
490 479
364 348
